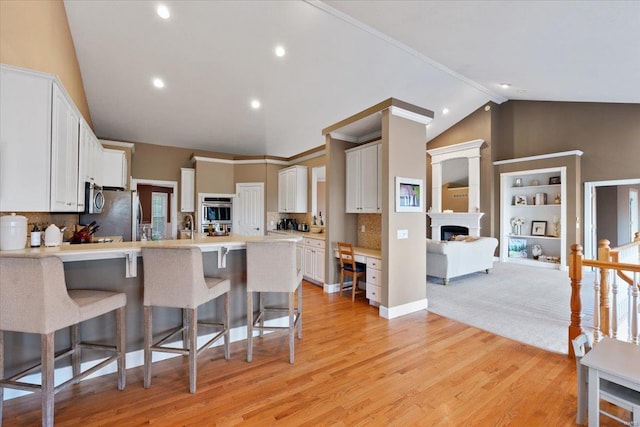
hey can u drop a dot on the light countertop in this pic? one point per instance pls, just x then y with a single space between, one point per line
95 251
307 234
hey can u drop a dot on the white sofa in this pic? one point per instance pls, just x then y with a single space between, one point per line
457 258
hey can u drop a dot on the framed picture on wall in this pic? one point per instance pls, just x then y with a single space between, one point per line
409 195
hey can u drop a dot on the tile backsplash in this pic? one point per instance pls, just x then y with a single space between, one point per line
371 238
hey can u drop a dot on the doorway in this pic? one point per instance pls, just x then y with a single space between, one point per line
171 189
623 191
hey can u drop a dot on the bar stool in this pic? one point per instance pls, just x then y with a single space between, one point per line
272 267
34 299
349 267
174 277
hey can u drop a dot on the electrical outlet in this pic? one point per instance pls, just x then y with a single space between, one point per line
403 234
362 229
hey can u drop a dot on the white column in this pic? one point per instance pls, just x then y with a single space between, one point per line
474 184
436 187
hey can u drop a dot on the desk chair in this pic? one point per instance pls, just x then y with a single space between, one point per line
349 267
272 267
174 277
613 393
34 299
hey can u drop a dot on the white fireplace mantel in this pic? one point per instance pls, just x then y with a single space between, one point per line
471 220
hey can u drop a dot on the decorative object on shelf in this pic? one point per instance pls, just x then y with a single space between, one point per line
536 251
517 248
551 259
517 182
556 226
554 180
409 195
538 228
540 199
520 200
557 200
535 183
516 224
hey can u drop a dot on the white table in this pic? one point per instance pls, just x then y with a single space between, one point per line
613 360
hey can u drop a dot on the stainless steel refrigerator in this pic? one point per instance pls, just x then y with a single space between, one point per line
120 215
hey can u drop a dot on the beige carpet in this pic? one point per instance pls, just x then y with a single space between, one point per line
526 304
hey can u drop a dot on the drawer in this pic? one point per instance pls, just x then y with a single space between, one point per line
374 263
314 243
373 277
373 293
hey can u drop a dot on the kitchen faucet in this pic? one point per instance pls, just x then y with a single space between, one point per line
191 225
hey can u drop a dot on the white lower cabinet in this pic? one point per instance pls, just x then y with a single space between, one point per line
314 251
374 281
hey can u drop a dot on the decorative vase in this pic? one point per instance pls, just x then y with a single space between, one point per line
517 229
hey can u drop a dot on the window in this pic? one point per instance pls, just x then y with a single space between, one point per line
159 207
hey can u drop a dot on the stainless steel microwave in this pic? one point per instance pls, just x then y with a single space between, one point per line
217 210
93 198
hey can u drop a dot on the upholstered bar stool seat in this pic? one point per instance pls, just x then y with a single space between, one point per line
272 267
34 299
174 277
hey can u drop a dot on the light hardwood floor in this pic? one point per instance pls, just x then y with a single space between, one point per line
352 368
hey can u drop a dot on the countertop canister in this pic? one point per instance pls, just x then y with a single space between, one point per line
13 232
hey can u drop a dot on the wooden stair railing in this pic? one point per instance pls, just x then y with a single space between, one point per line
608 260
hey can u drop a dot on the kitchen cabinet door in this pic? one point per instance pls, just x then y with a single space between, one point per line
187 189
363 180
292 189
25 141
64 154
114 168
353 181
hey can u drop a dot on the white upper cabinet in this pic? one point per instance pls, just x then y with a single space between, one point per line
64 153
363 179
39 128
114 168
90 161
187 189
292 189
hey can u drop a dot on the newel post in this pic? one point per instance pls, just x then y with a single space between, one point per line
604 255
575 273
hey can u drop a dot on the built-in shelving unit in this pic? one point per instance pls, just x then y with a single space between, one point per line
536 197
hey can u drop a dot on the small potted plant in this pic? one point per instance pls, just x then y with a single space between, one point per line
516 224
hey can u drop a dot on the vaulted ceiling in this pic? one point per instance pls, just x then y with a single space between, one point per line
341 57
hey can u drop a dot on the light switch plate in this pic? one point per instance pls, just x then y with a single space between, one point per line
403 234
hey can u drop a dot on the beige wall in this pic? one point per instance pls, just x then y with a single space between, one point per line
403 260
150 161
609 134
35 34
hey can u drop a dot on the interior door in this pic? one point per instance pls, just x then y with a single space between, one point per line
248 209
633 213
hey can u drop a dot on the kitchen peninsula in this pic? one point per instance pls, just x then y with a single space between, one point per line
118 267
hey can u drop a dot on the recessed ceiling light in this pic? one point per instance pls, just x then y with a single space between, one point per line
280 51
445 111
255 104
163 12
505 85
158 83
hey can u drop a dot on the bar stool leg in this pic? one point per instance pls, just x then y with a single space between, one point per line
120 348
185 330
300 311
292 327
47 356
227 334
1 372
76 357
261 312
193 347
148 336
249 326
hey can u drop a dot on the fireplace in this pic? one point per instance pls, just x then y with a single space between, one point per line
447 231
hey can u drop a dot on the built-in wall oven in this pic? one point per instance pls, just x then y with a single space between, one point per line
216 211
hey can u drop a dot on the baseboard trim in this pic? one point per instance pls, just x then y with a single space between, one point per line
401 310
136 358
331 288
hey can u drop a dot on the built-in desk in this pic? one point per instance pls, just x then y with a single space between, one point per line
372 258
